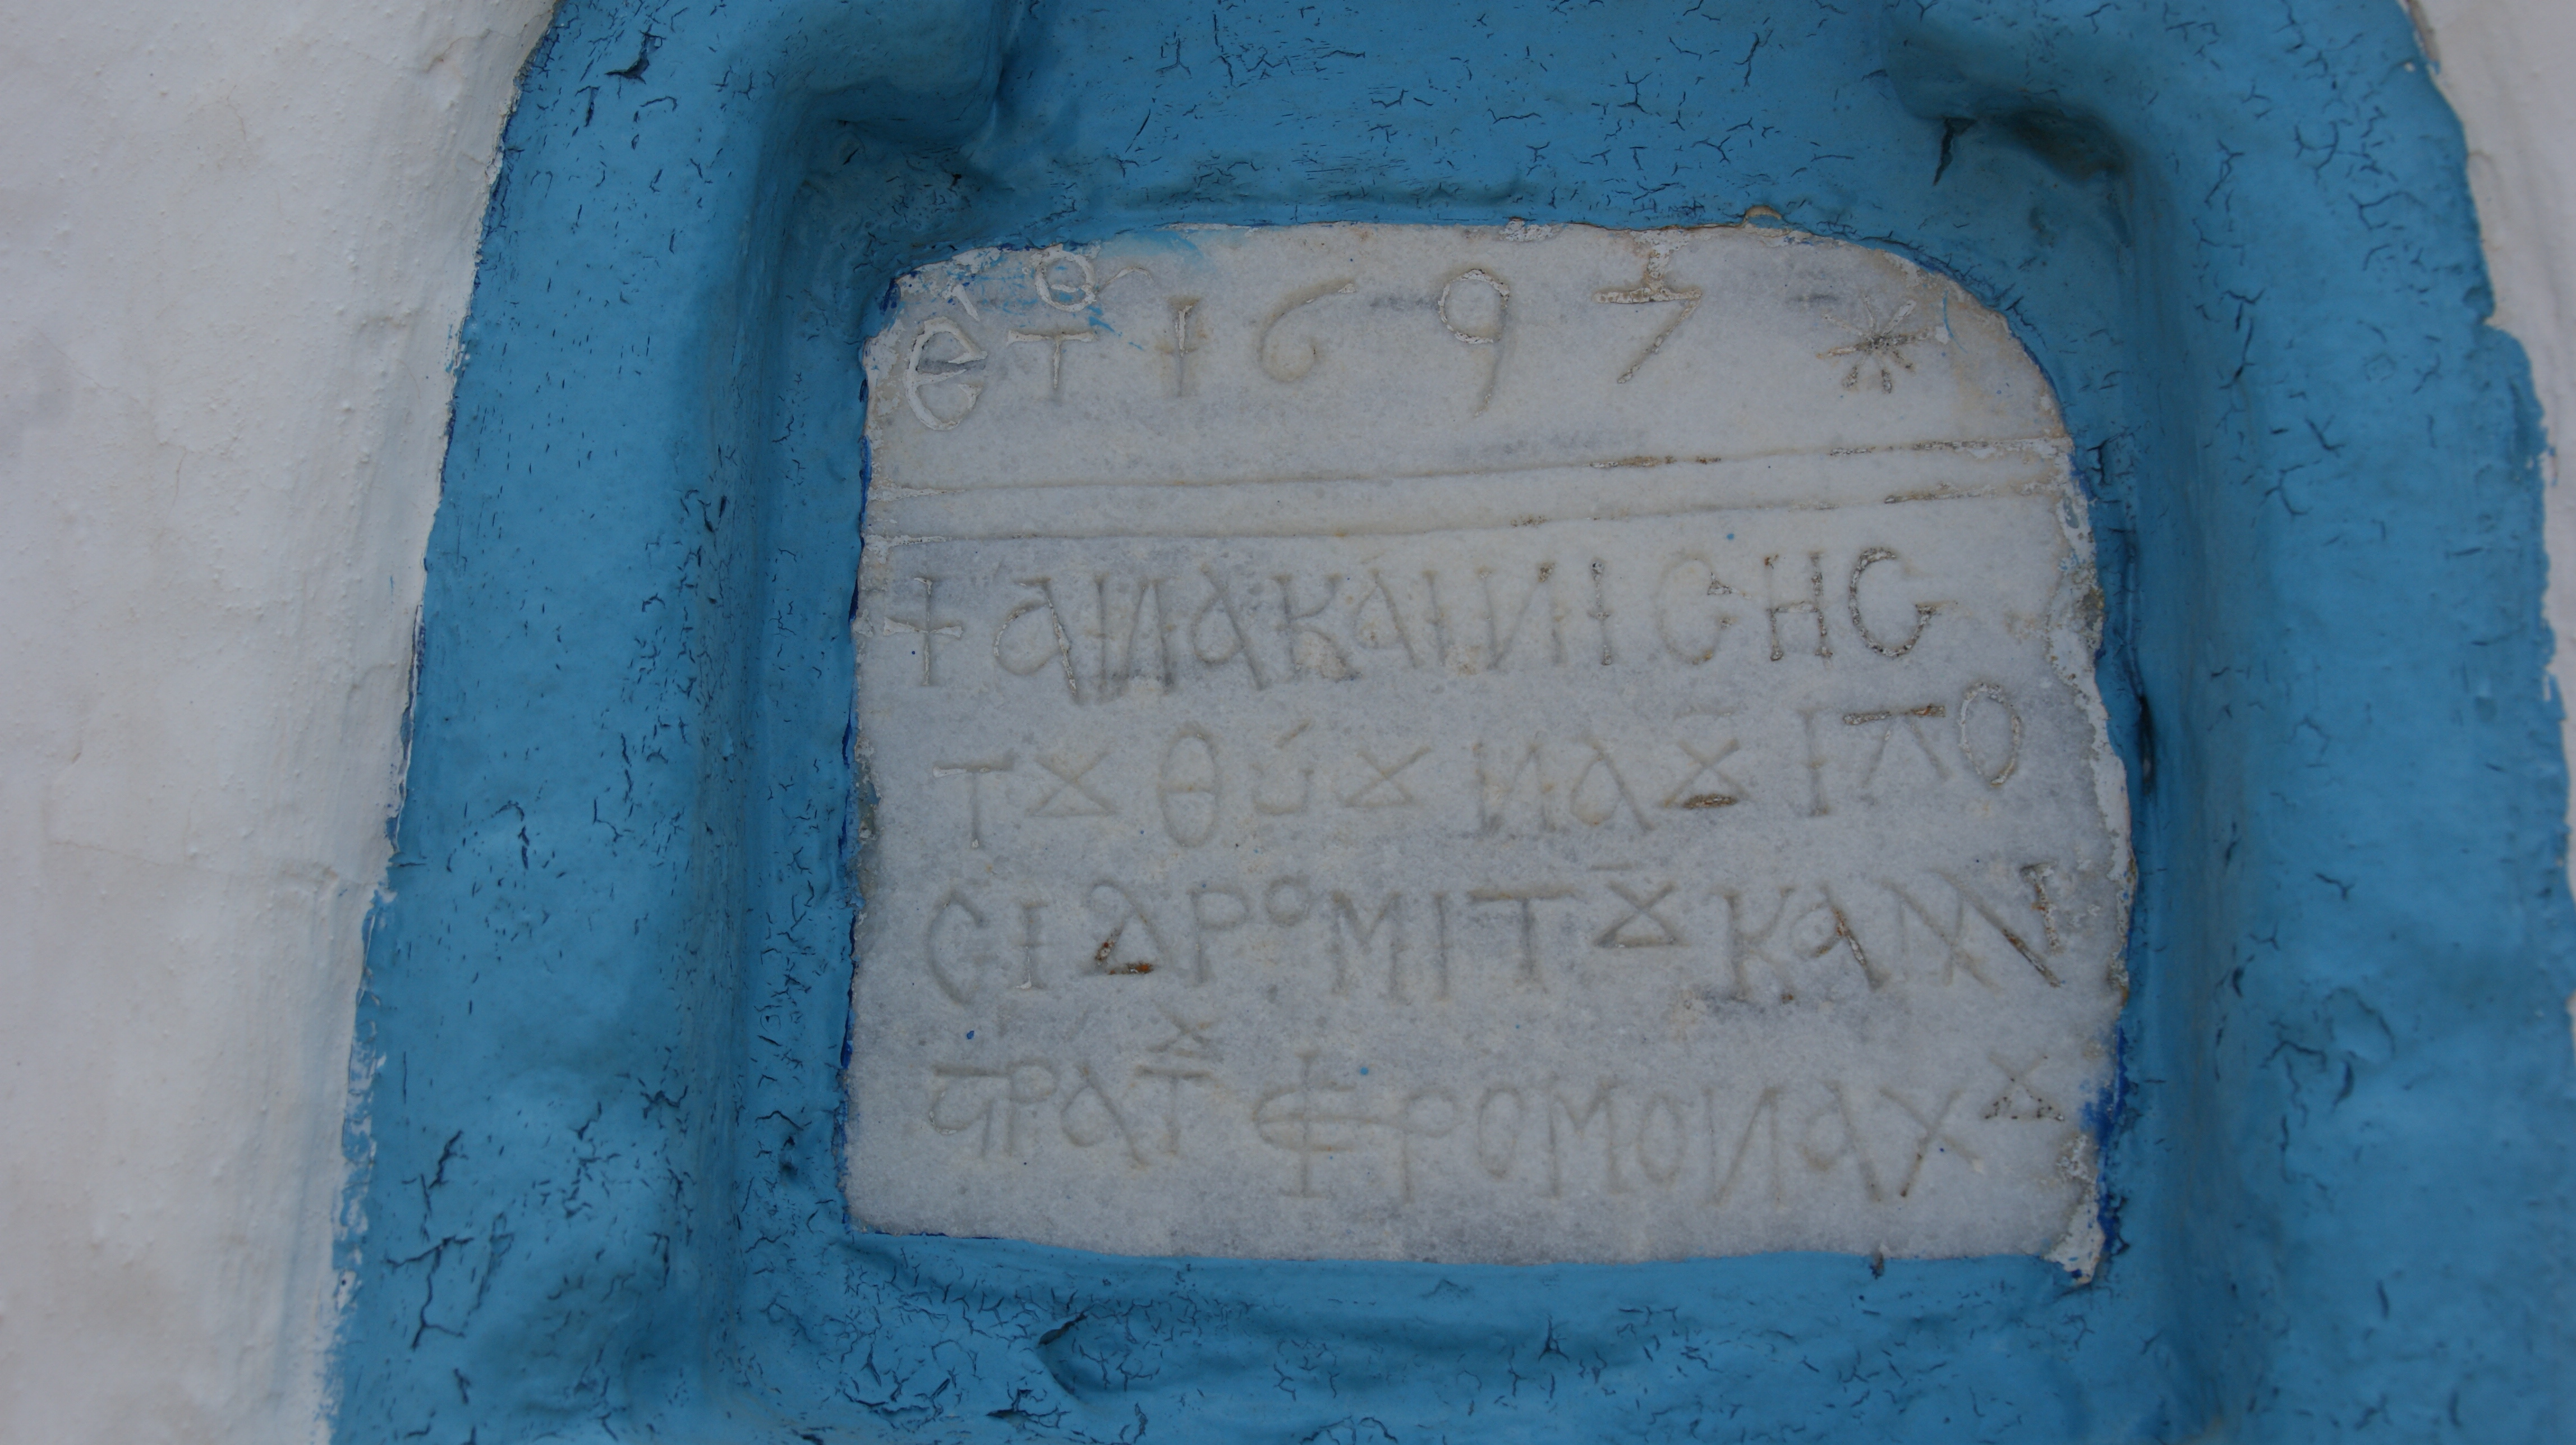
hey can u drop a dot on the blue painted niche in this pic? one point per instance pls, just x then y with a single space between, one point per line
603 1023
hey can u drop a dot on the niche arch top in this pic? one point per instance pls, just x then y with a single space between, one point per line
1489 744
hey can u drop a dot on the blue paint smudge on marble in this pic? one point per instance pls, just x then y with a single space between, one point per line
605 1003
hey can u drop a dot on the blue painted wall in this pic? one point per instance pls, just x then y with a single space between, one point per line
606 998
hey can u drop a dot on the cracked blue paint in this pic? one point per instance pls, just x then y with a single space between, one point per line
606 998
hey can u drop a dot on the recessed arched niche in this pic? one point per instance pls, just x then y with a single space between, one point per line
1581 723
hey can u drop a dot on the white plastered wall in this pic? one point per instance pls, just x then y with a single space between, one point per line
235 243
2504 65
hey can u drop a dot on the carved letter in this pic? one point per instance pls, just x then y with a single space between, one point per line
1082 295
1110 957
944 1078
1690 650
1386 790
1744 942
1311 647
1116 1118
1492 803
1172 1097
1813 604
1599 611
1871 557
1577 1124
1486 1153
1416 1121
1266 799
1847 1144
1499 643
1669 1141
974 775
918 371
1682 795
1651 289
1528 899
1287 901
1720 1185
1183 779
1595 816
1114 680
1238 642
1934 1125
1072 796
1207 924
1352 936
1987 911
1886 720
1053 644
1054 342
961 982
1030 940
1311 1124
1988 692
1368 635
930 627
1641 926
1502 312
1314 351
1179 346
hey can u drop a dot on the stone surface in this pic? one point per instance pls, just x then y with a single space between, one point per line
1499 745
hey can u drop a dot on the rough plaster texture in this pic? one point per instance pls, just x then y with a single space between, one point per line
235 243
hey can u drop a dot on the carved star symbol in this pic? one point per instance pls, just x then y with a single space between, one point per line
1878 342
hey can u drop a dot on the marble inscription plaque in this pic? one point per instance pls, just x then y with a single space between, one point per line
1510 744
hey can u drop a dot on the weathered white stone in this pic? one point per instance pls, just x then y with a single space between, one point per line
1476 744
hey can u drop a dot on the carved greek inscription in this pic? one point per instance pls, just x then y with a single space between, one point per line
1203 785
1485 745
1875 337
1119 635
1335 1131
1753 938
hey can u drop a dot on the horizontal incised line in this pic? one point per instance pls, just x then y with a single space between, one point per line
2046 445
1357 508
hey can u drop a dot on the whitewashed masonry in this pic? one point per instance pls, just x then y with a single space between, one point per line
1503 745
